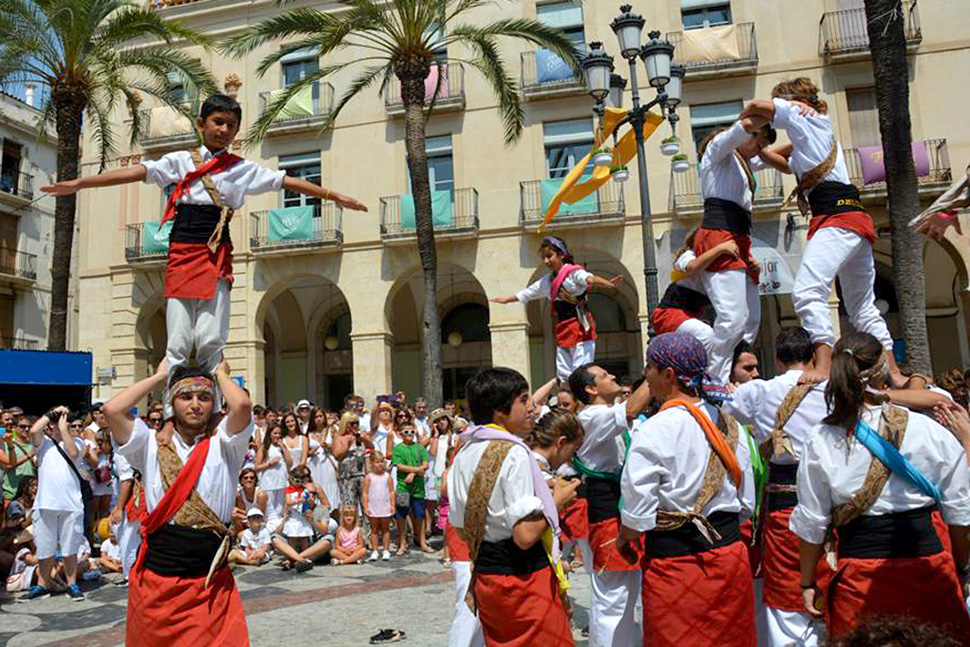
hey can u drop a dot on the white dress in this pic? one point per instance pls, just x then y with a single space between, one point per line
297 525
323 469
432 484
273 482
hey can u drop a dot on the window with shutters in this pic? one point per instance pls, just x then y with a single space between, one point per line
305 166
696 14
708 117
567 142
567 16
863 117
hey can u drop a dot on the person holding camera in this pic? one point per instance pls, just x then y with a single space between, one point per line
349 448
59 506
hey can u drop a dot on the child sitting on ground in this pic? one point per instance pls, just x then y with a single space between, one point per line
350 540
296 534
378 492
23 570
110 560
255 542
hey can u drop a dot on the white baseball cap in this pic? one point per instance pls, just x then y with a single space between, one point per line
254 512
303 403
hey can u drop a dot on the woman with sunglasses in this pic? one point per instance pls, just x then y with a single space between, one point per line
382 426
249 496
567 285
349 448
322 464
103 478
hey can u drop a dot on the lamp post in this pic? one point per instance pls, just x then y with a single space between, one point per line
606 87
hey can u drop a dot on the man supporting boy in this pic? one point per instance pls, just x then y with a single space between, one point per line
210 184
181 590
508 516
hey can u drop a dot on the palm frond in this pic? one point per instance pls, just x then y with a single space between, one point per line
489 63
361 82
298 22
102 130
525 29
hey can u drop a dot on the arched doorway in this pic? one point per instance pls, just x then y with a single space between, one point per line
307 353
466 346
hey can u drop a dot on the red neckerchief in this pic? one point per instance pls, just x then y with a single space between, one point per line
217 164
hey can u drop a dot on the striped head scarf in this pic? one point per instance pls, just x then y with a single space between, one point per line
193 384
687 357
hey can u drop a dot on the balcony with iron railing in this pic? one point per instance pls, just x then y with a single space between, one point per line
687 199
604 206
545 75
454 214
450 88
930 157
17 267
296 229
145 245
723 50
306 110
16 185
16 342
164 127
844 35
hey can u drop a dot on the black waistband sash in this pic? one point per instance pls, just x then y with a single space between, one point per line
687 540
505 558
565 310
726 215
194 223
885 536
779 493
602 499
683 298
830 198
180 551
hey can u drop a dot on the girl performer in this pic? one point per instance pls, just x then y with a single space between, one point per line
686 482
503 507
729 158
840 232
567 286
880 476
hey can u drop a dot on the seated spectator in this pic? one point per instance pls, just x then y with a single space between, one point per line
248 497
110 560
23 571
20 508
255 543
350 547
297 531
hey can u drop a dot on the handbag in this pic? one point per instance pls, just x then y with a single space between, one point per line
403 499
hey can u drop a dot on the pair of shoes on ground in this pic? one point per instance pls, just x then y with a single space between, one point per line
385 636
38 592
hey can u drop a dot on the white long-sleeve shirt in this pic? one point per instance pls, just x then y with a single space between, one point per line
220 473
756 403
512 500
575 284
666 466
722 175
234 183
811 138
691 281
833 467
604 425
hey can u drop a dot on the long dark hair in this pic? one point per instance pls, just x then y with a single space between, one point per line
853 356
269 434
290 414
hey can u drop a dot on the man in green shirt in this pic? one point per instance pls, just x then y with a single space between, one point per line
411 460
16 456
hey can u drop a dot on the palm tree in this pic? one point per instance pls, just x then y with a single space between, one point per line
887 42
81 54
399 38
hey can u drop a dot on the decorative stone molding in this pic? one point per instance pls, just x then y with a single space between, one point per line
232 84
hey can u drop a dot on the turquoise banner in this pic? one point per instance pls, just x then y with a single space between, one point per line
589 204
155 240
441 210
291 223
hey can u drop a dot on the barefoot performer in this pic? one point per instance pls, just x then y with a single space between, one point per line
210 184
181 591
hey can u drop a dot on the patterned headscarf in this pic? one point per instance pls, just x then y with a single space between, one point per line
559 245
193 384
687 357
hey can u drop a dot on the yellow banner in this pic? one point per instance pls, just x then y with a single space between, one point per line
624 151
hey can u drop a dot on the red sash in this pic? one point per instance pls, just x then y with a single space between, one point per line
217 164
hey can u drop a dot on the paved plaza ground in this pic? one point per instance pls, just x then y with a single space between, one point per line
329 605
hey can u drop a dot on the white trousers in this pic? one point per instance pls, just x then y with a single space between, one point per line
791 629
129 539
738 305
199 323
569 359
55 529
834 252
700 331
466 630
612 613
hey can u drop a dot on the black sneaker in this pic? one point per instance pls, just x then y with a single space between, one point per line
303 567
37 592
74 592
387 636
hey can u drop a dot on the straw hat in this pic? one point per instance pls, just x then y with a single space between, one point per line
438 414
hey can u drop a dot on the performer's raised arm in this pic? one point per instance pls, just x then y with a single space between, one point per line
136 173
117 410
237 401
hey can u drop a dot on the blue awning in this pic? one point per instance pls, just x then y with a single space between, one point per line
45 367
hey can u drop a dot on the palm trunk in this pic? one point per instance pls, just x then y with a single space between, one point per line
412 93
68 116
888 46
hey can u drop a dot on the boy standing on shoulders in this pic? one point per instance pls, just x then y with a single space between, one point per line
508 516
210 184
181 590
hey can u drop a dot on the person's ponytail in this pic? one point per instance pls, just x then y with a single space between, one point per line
846 389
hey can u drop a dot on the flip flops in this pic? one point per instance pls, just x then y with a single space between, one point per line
385 636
